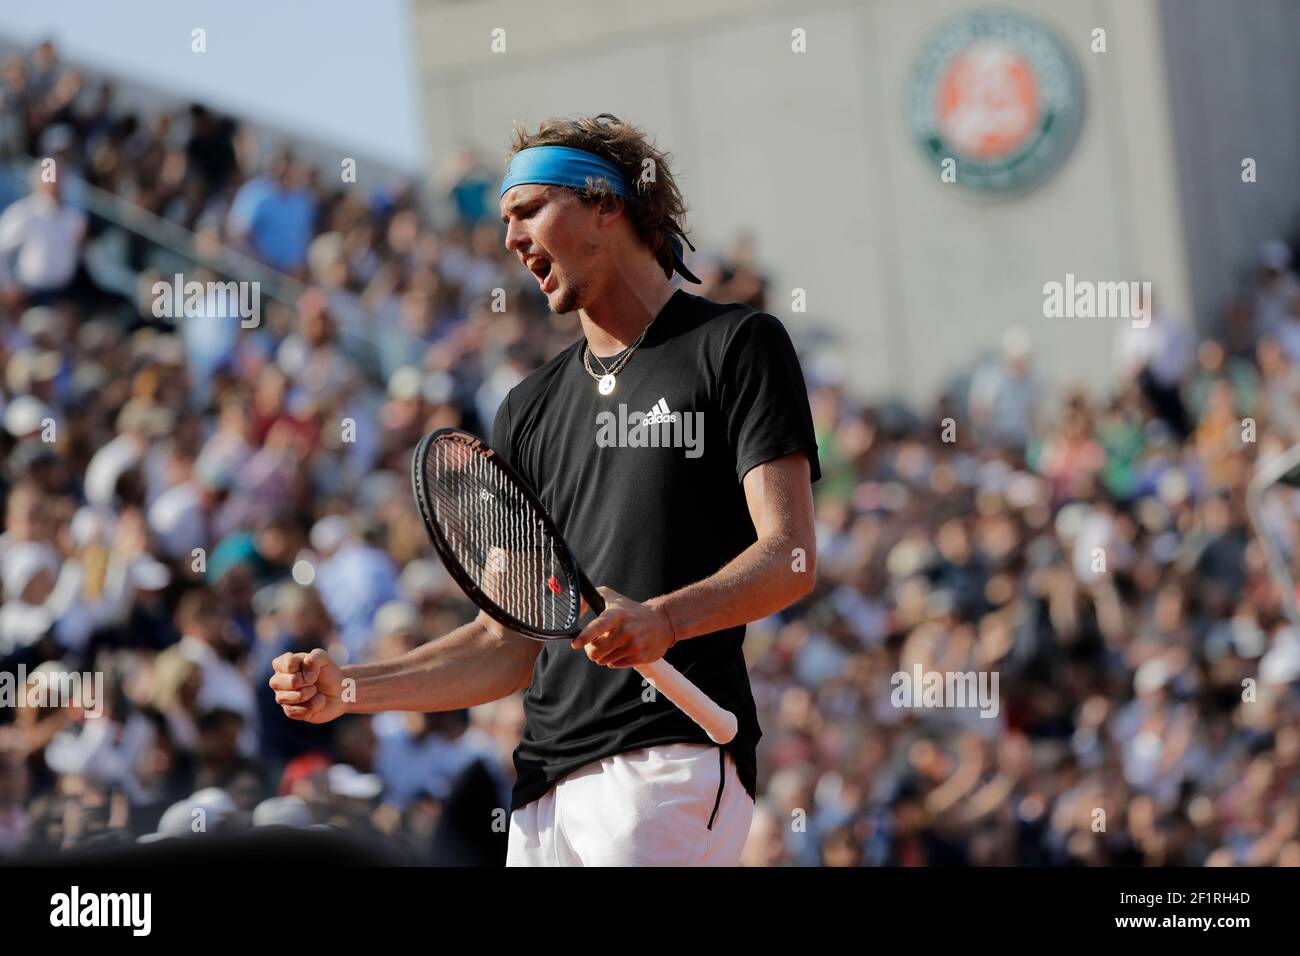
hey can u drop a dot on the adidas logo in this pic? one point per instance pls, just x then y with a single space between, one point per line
621 429
659 414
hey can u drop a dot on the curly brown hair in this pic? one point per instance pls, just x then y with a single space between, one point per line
658 211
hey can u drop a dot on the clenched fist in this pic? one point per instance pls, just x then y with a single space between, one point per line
308 686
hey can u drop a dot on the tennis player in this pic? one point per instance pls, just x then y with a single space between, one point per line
673 445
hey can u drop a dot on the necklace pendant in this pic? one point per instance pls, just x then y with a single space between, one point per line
606 385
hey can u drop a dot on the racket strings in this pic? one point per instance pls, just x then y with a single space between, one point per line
499 539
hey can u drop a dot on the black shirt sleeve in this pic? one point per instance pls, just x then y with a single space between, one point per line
763 396
501 439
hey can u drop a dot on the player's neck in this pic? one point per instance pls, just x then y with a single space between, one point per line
627 304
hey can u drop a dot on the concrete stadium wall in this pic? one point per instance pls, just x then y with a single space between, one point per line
812 153
1234 92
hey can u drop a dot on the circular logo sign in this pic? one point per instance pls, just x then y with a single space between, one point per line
996 101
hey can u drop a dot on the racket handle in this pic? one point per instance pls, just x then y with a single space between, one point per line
717 722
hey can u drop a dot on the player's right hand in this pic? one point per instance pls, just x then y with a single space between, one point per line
308 686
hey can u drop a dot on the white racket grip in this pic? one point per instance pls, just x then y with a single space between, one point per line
718 723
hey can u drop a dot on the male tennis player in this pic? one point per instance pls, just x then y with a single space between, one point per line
673 445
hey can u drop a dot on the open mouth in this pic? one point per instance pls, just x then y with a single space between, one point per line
540 266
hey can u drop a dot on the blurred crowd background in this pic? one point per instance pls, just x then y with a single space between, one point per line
186 499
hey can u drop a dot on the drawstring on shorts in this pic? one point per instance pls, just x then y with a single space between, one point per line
722 779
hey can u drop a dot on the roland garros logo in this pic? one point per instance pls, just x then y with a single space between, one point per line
996 102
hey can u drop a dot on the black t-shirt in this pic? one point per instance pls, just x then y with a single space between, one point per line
649 505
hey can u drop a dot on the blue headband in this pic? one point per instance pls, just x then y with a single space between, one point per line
566 166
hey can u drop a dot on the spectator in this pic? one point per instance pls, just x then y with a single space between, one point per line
280 219
1003 396
40 241
1096 557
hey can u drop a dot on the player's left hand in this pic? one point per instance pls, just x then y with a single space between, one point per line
626 633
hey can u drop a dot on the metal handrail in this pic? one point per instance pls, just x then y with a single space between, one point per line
163 232
354 333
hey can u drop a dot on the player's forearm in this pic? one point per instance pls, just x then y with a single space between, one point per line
766 577
472 665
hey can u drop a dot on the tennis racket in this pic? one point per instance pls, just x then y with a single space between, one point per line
506 553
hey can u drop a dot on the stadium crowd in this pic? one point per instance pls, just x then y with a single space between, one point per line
185 499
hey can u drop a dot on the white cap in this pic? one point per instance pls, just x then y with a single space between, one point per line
178 522
146 573
422 577
37 320
395 616
28 366
23 561
87 526
346 781
108 465
283 812
24 624
1152 675
404 383
215 802
179 819
1281 665
24 415
330 532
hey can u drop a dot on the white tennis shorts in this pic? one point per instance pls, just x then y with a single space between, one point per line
668 805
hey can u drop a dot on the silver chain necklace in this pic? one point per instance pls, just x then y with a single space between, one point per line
606 381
